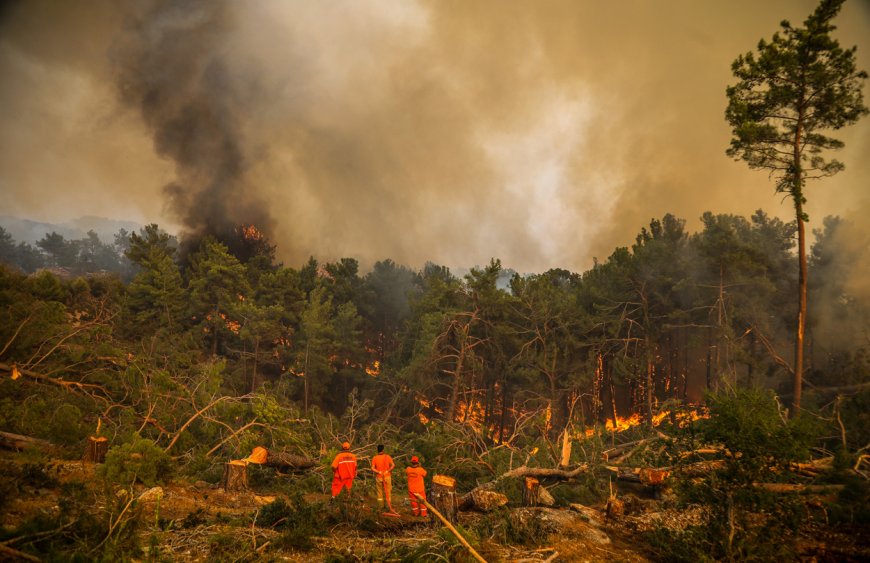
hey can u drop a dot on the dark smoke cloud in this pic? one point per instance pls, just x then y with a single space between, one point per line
543 133
171 64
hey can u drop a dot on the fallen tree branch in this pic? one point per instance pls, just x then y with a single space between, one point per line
231 436
15 554
68 385
524 471
197 415
798 488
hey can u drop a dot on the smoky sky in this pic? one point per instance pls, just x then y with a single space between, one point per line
541 133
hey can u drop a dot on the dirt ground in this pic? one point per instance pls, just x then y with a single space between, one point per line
183 521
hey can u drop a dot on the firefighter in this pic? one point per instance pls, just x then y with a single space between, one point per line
343 470
382 466
416 487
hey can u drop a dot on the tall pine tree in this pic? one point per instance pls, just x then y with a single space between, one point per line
795 87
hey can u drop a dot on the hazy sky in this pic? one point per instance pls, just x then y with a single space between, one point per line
543 133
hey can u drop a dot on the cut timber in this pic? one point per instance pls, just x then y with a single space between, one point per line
531 491
95 450
444 496
18 442
483 499
287 463
235 476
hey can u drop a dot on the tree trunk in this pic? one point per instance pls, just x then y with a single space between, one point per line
504 408
305 383
802 310
457 382
289 462
235 476
444 496
95 450
650 370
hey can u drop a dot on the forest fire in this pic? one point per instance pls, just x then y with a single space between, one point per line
682 419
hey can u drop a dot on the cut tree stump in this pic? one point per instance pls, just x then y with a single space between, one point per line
235 476
444 496
531 491
615 508
95 450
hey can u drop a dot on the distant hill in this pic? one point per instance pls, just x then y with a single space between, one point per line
25 230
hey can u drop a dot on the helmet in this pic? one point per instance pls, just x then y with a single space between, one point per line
345 446
415 459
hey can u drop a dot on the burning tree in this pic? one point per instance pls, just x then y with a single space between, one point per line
798 85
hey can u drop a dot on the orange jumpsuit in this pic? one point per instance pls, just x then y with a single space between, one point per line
416 485
382 465
343 472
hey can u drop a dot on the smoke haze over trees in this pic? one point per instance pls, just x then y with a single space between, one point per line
427 131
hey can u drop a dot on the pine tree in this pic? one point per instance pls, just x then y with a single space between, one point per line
798 85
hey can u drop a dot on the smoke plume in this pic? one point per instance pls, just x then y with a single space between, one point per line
541 133
171 64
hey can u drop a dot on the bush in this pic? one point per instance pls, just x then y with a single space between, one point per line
746 522
513 527
138 460
298 520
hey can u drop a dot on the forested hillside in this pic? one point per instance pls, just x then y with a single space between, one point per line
212 348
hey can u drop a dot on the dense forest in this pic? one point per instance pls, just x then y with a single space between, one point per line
184 356
658 323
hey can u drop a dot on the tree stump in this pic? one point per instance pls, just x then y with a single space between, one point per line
95 450
444 496
235 476
615 508
531 491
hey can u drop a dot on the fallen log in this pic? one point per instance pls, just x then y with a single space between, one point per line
482 499
287 463
798 488
18 442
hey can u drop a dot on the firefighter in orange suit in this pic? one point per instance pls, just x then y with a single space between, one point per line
416 486
382 466
343 470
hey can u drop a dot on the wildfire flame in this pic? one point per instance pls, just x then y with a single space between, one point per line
683 419
250 232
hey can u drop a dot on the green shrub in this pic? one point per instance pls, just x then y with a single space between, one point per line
513 527
746 522
138 460
298 521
